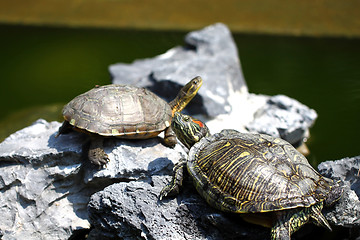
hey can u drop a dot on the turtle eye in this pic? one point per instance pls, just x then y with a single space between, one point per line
186 118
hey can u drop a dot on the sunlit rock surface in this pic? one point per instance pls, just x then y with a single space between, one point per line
46 185
210 53
284 118
223 101
347 212
41 194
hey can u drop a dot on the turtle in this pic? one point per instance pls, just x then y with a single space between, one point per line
124 111
263 178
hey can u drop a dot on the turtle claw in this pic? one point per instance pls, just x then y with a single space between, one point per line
173 187
170 139
98 157
96 153
169 143
169 190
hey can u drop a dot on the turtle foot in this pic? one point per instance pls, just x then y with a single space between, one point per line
170 142
169 190
96 153
173 187
98 156
170 138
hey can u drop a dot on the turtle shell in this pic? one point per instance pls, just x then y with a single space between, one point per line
120 111
250 173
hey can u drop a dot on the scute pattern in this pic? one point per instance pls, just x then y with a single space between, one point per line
254 173
118 110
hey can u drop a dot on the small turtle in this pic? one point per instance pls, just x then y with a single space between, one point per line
124 111
262 177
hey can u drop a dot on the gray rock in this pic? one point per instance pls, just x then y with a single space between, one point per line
210 53
41 197
285 118
347 212
134 160
45 186
132 211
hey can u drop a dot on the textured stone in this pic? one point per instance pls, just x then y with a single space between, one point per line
132 210
223 100
133 160
210 53
347 212
45 186
41 196
285 118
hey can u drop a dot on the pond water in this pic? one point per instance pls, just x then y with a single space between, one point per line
42 68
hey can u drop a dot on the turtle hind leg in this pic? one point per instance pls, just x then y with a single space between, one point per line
288 222
66 127
280 233
318 218
96 153
173 187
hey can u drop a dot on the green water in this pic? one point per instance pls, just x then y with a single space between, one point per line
42 68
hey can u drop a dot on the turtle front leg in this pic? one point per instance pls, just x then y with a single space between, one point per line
173 187
96 152
170 138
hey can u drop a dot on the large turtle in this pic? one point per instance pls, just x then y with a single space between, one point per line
124 111
262 177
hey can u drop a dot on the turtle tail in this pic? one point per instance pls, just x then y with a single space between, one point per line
317 217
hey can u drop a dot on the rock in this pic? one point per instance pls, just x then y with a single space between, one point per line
223 100
134 160
45 186
132 210
210 53
40 192
285 118
347 212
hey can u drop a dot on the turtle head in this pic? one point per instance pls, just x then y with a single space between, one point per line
185 95
188 130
